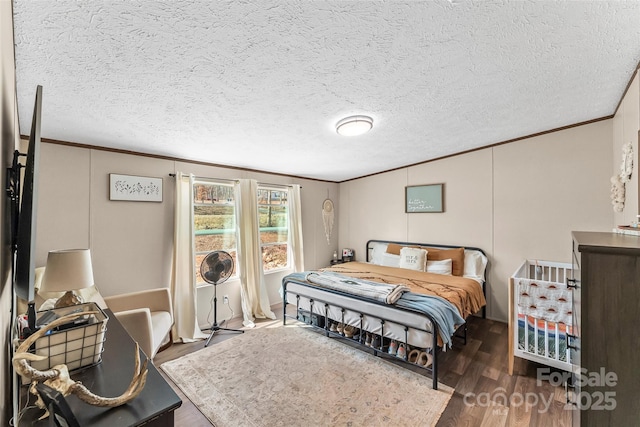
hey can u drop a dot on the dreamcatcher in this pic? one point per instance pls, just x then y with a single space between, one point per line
327 218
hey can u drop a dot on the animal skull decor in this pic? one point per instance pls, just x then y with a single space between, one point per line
58 376
619 180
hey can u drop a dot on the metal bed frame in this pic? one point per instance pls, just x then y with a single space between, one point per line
307 317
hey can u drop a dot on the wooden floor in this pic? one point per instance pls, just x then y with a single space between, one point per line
477 371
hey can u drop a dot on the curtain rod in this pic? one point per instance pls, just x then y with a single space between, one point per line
236 180
265 184
208 178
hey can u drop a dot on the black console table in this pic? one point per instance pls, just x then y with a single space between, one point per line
153 407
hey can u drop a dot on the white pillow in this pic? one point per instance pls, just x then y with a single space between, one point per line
474 264
440 267
390 260
377 253
413 258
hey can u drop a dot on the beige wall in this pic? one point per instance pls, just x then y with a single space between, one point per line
373 208
544 188
626 123
515 201
131 242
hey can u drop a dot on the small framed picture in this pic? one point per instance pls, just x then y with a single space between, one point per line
135 188
424 198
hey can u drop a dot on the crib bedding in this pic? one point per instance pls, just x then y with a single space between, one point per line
546 339
541 314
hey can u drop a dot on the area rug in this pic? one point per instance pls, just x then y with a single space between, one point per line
289 375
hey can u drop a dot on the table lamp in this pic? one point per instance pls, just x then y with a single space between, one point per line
66 271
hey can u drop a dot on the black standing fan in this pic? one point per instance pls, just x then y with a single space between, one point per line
216 268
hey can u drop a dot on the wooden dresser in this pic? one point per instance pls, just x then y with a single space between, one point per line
606 268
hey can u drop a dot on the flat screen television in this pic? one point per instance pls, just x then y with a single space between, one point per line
27 217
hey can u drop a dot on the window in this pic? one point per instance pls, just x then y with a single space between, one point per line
273 213
214 222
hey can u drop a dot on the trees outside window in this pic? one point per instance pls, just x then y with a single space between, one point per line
214 221
214 224
273 217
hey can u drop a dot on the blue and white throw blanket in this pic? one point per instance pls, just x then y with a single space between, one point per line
443 312
380 292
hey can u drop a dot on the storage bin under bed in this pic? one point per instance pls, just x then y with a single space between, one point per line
542 313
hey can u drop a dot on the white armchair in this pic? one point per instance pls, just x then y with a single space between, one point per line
147 316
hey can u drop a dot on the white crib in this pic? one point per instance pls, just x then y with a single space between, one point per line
541 314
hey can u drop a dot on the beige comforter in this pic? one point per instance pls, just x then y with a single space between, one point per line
466 294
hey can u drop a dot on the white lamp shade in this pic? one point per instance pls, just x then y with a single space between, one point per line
67 270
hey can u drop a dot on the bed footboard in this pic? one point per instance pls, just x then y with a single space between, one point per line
320 308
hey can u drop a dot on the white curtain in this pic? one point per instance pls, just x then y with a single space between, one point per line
295 228
253 289
183 283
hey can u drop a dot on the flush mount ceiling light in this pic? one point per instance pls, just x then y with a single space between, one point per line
354 125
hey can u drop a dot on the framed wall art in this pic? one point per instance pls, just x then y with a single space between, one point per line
424 198
135 188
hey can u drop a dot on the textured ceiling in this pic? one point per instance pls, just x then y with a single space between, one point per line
261 84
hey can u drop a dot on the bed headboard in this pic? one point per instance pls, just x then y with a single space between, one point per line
371 243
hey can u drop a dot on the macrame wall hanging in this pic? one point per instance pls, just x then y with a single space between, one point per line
327 218
619 181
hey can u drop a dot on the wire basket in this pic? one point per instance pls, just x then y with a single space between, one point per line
77 344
